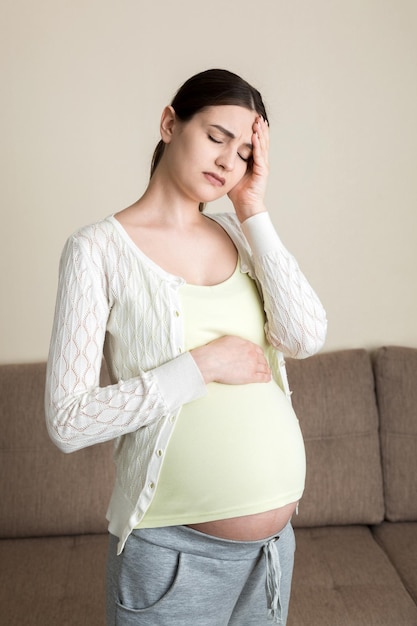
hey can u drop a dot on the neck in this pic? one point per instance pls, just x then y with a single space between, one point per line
164 201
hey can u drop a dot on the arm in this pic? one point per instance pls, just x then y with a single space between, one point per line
79 412
296 321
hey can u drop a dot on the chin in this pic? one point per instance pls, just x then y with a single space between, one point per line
213 196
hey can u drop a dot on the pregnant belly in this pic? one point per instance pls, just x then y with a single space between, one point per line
235 465
265 406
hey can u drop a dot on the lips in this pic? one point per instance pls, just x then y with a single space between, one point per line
214 179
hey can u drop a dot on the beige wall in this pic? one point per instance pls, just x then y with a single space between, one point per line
85 81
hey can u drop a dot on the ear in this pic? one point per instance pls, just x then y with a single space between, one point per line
168 123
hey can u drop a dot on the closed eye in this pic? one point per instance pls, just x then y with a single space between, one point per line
243 158
214 140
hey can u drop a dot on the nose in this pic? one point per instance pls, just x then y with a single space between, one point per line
226 159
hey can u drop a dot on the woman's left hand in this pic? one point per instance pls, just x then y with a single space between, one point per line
248 195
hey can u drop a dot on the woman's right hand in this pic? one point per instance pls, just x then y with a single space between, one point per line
232 360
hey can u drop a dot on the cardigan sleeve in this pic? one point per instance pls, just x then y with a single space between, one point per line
79 412
296 320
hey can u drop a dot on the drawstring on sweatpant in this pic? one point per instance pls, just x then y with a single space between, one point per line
273 581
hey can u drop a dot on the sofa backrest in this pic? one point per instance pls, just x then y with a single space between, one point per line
43 491
396 385
334 399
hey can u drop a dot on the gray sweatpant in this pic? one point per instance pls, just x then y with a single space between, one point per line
177 576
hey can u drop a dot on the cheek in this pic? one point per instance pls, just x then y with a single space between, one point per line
234 180
240 171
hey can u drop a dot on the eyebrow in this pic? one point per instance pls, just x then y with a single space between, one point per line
228 133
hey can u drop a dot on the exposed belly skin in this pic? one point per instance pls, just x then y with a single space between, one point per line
249 527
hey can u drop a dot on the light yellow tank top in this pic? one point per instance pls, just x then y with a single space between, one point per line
239 449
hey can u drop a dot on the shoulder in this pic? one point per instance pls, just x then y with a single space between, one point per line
226 219
231 224
99 236
95 233
97 244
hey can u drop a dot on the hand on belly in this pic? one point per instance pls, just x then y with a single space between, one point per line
249 527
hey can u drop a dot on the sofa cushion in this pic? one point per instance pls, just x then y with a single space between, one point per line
396 376
333 396
343 578
399 541
53 580
43 491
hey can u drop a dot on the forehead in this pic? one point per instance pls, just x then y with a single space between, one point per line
236 119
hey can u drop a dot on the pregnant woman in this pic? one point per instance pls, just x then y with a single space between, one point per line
194 314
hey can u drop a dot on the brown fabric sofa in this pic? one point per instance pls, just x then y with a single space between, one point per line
356 557
356 532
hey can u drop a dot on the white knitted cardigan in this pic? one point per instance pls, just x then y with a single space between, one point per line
113 299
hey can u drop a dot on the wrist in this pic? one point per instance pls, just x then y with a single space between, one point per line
261 234
244 213
202 361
